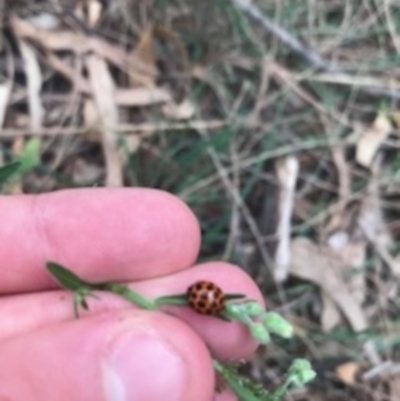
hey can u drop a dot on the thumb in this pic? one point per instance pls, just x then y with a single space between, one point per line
125 356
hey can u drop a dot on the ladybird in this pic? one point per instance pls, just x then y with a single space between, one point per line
206 298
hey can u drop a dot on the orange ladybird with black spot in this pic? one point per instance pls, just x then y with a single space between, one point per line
206 298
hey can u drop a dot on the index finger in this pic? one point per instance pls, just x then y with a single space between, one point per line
121 234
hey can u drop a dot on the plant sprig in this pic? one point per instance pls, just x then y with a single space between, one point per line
250 313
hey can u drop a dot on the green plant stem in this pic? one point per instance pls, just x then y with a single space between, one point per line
243 387
279 393
125 292
235 383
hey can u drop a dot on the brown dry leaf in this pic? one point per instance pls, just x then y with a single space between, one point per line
347 372
141 96
81 44
371 219
372 223
91 117
178 112
123 97
180 56
34 81
352 253
330 316
372 139
322 266
287 170
91 120
145 48
144 51
104 98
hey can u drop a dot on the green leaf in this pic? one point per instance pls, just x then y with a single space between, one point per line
66 278
276 324
259 332
231 297
7 171
30 156
300 372
177 299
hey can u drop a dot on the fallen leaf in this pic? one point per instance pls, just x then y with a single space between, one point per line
372 139
34 82
81 45
141 96
347 372
371 218
353 254
104 97
179 57
322 266
91 119
330 316
123 97
144 51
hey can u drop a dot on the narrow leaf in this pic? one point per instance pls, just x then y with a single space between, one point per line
230 297
177 299
7 171
66 278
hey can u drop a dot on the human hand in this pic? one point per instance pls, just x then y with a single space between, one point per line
115 352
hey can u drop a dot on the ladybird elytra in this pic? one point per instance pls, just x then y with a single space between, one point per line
206 298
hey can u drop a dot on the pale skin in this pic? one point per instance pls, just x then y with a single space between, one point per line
114 352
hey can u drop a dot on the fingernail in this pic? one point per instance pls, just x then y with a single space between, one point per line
141 366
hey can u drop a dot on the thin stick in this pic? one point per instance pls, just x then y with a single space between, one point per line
143 129
284 36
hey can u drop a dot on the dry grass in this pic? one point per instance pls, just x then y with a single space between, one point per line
274 121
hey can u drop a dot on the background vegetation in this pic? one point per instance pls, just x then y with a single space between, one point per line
276 121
